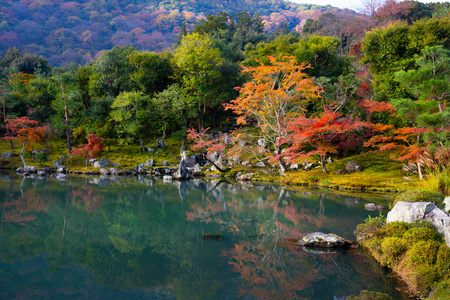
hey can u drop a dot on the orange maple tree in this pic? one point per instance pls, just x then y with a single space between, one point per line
25 130
276 93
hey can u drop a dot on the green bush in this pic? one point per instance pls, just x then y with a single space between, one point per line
421 196
443 261
416 234
423 253
370 228
369 295
395 229
392 248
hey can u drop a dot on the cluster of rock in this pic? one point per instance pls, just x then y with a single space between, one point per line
350 167
423 211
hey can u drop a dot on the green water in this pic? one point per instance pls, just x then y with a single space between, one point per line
139 238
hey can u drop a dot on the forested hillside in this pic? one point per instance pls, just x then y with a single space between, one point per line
75 31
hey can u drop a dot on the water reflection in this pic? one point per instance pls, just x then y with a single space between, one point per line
140 237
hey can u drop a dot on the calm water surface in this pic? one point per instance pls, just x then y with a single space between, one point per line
139 238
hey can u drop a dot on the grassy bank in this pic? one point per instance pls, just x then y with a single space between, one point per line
379 173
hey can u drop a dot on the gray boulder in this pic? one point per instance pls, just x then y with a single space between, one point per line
352 167
191 161
115 165
197 170
245 177
61 170
161 145
422 211
102 163
57 163
373 206
149 163
114 171
294 167
165 163
30 169
104 171
260 164
92 161
322 240
6 155
307 165
149 149
41 173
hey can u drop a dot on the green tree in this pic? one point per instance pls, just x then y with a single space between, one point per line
66 102
176 104
128 110
112 72
198 65
429 83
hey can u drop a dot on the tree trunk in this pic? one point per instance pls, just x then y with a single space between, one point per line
69 146
142 143
280 159
419 170
217 167
322 164
184 142
21 154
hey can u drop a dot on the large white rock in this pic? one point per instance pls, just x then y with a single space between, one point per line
423 211
409 212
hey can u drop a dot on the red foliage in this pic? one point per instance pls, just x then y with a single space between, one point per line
92 149
24 129
319 132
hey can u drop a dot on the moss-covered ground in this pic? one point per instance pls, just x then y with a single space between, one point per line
379 173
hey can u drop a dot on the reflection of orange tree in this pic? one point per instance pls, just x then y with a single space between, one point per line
89 197
272 270
21 210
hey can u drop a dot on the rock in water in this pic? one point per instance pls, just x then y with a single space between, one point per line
322 240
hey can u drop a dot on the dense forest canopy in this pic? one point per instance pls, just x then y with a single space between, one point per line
75 31
373 82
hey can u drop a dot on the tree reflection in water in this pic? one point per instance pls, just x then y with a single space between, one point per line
142 234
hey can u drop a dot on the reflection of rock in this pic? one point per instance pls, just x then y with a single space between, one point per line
318 250
322 240
61 177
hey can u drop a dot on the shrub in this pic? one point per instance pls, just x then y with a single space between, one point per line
370 228
416 234
443 261
392 248
369 295
395 229
421 196
423 253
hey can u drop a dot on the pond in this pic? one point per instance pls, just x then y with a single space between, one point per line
142 238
